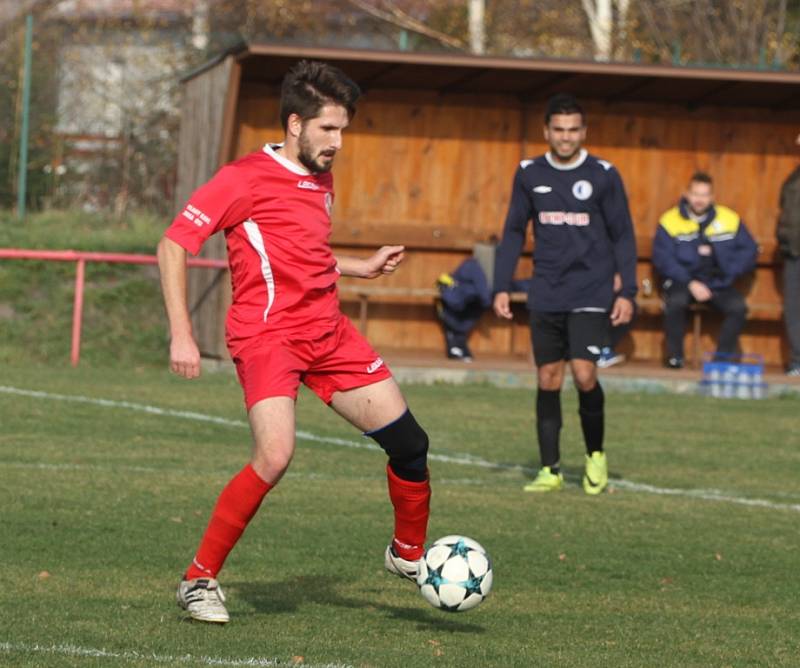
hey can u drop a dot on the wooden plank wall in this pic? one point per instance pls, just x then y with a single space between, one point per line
200 148
434 172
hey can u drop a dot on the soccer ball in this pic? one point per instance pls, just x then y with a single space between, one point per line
455 574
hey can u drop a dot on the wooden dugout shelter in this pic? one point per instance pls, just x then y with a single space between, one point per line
429 158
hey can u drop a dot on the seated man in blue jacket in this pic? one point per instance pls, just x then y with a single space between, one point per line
465 296
700 249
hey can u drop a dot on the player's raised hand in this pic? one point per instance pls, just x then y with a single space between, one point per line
384 262
622 312
502 305
184 357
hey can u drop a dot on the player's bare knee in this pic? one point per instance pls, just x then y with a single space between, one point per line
271 464
585 382
550 378
406 444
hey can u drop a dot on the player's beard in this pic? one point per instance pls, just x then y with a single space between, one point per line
306 156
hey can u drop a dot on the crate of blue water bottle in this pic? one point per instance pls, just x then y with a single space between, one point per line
733 376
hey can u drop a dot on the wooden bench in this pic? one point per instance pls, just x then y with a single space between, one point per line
363 294
384 294
755 311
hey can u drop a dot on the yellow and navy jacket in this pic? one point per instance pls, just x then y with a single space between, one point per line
675 248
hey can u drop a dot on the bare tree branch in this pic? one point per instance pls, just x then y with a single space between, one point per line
398 17
780 31
655 32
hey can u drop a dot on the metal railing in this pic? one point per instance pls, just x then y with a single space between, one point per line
80 258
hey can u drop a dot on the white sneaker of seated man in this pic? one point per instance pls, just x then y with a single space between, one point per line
609 358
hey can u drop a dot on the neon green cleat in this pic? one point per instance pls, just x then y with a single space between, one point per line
595 479
545 481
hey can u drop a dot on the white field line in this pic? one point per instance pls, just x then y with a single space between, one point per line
294 475
150 658
462 459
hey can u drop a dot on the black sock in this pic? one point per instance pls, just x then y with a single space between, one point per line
591 405
548 426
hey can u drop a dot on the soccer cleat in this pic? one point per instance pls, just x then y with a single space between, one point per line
595 478
674 363
793 370
545 481
396 565
203 600
609 358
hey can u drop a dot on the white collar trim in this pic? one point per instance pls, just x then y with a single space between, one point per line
269 149
582 155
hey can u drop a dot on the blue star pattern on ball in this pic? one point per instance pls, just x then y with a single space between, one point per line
434 578
460 549
455 574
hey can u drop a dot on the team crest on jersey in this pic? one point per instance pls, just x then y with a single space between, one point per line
582 189
329 202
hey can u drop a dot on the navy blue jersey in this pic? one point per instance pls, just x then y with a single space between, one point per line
582 232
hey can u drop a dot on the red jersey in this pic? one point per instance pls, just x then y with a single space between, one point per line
276 219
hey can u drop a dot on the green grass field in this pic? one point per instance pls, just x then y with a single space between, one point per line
103 503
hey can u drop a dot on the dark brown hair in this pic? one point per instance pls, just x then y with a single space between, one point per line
701 177
563 103
310 85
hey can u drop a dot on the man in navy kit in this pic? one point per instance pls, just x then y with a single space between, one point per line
583 234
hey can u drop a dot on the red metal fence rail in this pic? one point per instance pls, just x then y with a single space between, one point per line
81 258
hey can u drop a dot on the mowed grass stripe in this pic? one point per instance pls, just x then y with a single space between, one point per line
715 495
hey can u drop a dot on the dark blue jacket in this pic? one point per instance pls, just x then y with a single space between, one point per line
582 231
471 287
678 237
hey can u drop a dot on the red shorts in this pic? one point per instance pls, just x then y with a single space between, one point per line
340 360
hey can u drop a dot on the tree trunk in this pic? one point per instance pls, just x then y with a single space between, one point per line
601 18
477 26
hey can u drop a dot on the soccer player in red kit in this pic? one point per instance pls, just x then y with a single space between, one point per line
285 326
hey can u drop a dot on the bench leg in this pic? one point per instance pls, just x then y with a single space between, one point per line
696 322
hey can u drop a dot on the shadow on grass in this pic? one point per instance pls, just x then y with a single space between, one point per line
290 595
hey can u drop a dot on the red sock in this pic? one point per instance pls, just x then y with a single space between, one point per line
235 507
411 501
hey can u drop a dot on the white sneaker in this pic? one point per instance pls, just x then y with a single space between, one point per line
203 600
399 566
609 358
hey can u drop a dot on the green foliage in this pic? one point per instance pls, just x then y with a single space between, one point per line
103 507
78 230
